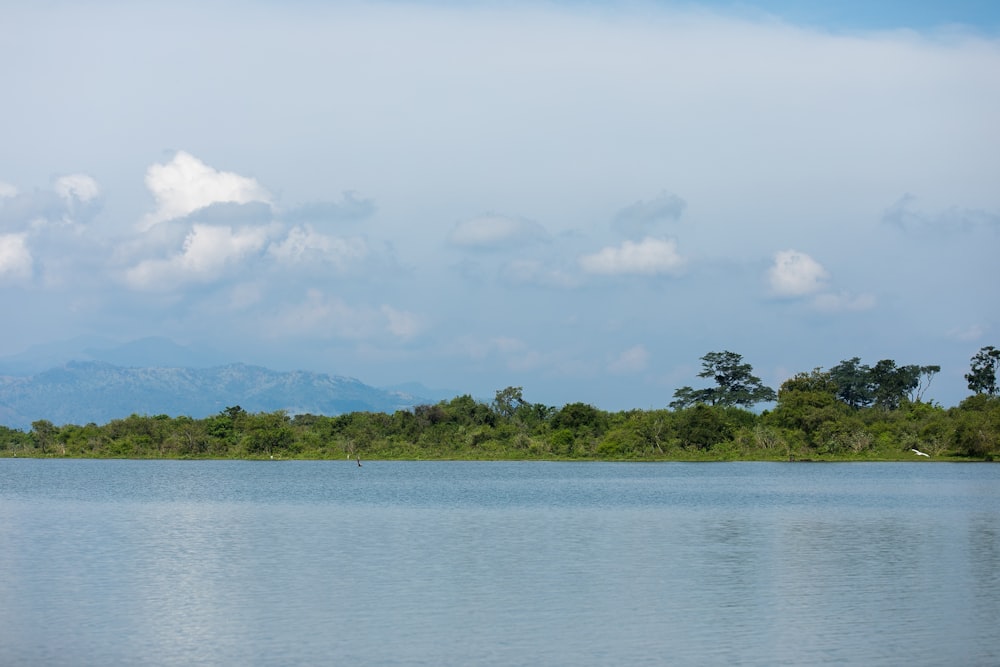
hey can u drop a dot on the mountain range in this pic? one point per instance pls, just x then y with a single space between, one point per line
156 376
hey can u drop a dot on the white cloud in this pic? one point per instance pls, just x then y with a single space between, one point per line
795 274
80 187
15 258
651 256
633 360
304 245
842 301
7 190
495 231
207 251
186 184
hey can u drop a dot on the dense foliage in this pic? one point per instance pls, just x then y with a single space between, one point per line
851 411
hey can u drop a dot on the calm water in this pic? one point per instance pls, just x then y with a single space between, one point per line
405 563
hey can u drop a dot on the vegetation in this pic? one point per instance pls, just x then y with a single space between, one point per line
851 411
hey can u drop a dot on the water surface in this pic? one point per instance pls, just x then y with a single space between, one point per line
461 563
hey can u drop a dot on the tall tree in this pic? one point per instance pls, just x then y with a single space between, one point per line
982 375
924 376
507 401
854 382
44 433
735 384
891 383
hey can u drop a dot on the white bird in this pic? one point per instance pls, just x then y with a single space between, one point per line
919 453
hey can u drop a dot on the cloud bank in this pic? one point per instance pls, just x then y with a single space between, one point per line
185 184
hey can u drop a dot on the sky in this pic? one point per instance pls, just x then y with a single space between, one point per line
577 198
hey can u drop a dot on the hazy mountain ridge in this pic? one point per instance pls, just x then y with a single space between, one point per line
80 392
150 352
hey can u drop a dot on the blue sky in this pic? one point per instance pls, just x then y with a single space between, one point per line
581 199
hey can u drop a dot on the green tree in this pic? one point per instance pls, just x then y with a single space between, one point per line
268 433
44 434
580 418
654 428
885 384
467 410
534 415
892 383
507 401
816 381
924 376
701 427
807 404
854 383
735 384
977 426
14 440
982 375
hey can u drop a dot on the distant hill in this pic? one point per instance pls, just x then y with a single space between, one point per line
80 392
154 351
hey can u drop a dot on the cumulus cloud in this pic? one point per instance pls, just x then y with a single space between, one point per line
650 256
206 252
222 221
79 187
636 219
796 274
186 184
15 258
495 231
633 360
304 245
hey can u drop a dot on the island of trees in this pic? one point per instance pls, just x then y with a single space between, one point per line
852 411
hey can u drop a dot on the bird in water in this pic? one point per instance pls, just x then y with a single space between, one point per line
359 461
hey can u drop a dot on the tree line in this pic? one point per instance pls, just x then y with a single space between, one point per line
850 411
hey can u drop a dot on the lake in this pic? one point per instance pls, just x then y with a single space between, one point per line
513 563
